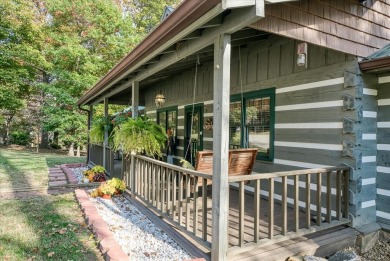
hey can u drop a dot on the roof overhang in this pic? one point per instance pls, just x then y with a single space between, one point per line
376 65
171 41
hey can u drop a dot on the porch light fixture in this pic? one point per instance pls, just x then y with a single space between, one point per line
160 100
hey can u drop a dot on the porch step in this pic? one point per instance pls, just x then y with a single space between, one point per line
322 243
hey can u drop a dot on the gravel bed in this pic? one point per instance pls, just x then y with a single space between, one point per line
139 237
79 173
380 252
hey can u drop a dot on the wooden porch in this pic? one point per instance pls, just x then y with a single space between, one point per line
267 212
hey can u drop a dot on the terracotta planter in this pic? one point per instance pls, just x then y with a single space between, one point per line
106 196
118 192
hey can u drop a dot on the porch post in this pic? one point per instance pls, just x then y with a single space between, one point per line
135 98
105 142
220 194
89 124
134 108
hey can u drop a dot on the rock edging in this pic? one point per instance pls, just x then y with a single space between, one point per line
66 168
110 248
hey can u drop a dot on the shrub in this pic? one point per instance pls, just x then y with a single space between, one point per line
20 138
55 146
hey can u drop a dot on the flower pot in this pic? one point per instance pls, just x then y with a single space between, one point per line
118 192
106 196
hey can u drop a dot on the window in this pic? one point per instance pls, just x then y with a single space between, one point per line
252 119
167 118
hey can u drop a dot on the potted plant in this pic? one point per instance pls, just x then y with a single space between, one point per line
88 175
139 135
106 190
99 173
118 184
98 128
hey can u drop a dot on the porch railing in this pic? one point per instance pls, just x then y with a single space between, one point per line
96 157
178 194
314 198
96 154
263 209
109 161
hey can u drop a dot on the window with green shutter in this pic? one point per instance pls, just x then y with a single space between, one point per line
252 120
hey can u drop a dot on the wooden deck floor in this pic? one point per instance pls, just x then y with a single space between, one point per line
285 246
249 219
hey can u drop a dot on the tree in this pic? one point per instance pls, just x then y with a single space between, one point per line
21 41
52 51
146 14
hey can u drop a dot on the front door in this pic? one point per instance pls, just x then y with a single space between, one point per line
193 132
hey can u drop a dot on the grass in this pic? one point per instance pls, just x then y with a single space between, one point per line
45 228
20 168
40 226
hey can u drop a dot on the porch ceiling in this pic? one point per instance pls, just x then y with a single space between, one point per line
169 49
242 37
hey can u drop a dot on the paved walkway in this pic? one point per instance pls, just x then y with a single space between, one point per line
57 177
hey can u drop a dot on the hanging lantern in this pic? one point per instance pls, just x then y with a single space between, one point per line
160 100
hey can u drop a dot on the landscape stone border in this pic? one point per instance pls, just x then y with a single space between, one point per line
66 168
110 248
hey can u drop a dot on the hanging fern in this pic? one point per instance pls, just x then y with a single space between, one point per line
140 135
99 125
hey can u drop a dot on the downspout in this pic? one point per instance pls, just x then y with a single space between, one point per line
89 127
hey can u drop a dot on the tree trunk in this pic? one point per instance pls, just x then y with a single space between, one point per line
38 134
78 151
55 137
45 140
71 150
7 130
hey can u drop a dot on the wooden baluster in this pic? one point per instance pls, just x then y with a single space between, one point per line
180 198
154 174
319 202
158 189
139 177
174 195
169 181
188 200
296 202
163 189
308 190
338 195
139 174
257 210
271 208
241 213
196 206
346 193
148 181
328 197
142 182
284 205
204 209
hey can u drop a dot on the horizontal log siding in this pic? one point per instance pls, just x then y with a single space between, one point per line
383 156
264 65
343 25
309 110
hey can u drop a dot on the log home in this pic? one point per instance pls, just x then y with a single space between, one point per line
306 82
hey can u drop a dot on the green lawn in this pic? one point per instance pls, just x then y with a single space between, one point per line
40 227
45 228
20 169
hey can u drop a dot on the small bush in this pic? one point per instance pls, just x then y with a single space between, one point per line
55 146
20 138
